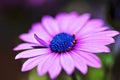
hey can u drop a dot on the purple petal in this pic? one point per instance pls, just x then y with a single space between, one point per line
102 37
64 20
92 25
31 63
41 41
24 46
90 59
103 28
40 65
109 33
32 53
67 63
79 63
36 29
50 25
95 48
99 40
56 68
78 23
81 35
28 37
47 64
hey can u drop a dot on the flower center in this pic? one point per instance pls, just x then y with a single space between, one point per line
62 42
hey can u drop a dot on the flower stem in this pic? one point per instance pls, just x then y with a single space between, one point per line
73 76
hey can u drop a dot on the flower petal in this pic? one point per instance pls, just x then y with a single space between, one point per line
56 68
28 37
92 25
24 46
64 20
78 23
47 64
67 63
31 63
41 41
50 25
40 65
81 33
98 40
37 28
90 59
95 48
79 63
109 33
32 53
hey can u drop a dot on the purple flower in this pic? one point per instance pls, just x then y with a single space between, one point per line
67 41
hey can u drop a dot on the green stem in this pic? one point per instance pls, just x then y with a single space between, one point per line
73 76
108 74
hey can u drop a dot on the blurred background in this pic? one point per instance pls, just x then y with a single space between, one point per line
17 16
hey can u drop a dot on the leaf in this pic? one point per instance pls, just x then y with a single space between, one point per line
107 60
34 76
95 74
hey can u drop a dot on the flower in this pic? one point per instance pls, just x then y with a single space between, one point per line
67 41
41 3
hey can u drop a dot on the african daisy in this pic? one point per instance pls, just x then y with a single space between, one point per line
66 42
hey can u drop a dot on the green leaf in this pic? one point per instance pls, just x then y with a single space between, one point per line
95 74
79 77
34 76
107 60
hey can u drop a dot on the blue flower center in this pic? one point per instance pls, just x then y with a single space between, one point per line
62 42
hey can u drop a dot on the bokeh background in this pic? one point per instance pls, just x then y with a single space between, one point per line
17 16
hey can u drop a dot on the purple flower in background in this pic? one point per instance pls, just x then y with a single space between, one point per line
67 41
38 2
35 3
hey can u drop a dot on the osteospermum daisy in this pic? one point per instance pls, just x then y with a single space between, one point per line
66 42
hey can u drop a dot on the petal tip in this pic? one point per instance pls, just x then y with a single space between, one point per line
52 77
100 66
70 72
117 33
39 72
87 14
16 57
85 72
24 69
14 49
108 50
21 36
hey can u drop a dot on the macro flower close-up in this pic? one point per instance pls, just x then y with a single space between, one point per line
67 42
